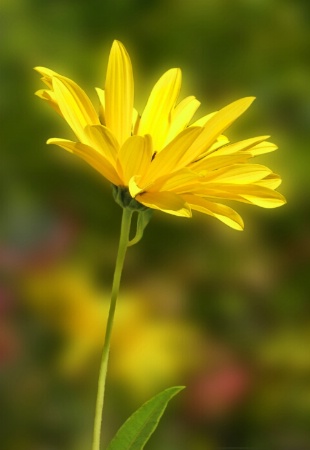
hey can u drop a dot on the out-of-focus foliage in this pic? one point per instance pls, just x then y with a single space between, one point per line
223 312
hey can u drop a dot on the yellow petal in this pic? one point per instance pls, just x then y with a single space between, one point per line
247 144
238 174
232 153
156 116
216 125
103 141
49 96
175 182
165 201
220 142
135 121
133 187
170 159
119 93
264 197
263 147
134 157
101 95
222 212
181 116
203 183
47 75
272 181
91 156
253 193
75 106
203 120
204 166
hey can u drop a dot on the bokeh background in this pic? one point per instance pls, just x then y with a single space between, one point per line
225 313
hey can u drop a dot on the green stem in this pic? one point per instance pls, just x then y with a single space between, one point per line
123 244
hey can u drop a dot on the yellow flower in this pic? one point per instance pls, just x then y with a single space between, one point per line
152 349
159 158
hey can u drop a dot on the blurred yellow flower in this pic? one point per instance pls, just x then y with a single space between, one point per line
152 351
71 305
157 158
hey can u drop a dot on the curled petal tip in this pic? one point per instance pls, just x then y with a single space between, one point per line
50 141
117 44
40 69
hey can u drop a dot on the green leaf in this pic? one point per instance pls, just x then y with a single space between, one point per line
136 431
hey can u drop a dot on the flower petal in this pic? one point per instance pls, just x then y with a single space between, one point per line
263 197
181 116
49 96
253 193
247 144
203 120
91 156
135 121
222 212
238 174
263 147
221 141
205 165
175 182
119 93
74 105
156 117
103 141
47 75
133 187
165 201
134 157
101 96
216 125
272 181
170 159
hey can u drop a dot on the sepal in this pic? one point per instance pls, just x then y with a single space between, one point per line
143 219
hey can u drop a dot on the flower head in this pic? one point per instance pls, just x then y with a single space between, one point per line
161 159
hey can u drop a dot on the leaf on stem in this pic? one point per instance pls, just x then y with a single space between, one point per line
136 431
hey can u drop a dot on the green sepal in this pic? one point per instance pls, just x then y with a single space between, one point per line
123 198
136 431
143 219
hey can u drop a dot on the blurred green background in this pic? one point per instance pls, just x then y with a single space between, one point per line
225 313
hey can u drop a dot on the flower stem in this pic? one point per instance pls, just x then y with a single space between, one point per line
123 244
